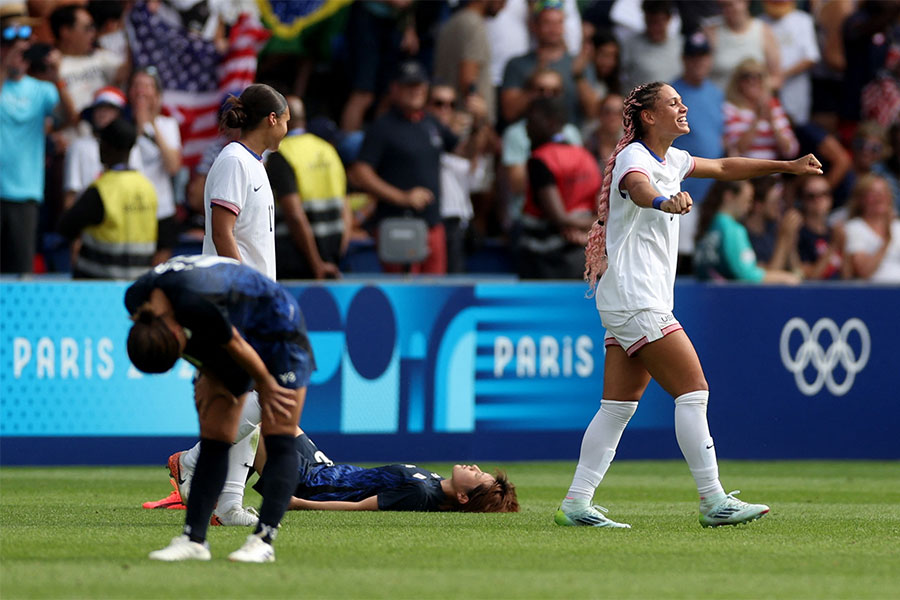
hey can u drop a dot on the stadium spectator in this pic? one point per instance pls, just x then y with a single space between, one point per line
836 161
738 36
635 298
723 249
159 148
378 34
706 136
755 123
84 67
399 164
560 202
867 150
83 163
819 246
798 49
654 54
313 220
866 34
889 168
115 218
772 227
516 147
25 104
602 135
550 51
246 331
828 73
459 173
872 250
108 19
463 53
606 57
511 32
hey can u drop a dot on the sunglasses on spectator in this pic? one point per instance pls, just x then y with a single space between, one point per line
747 75
868 146
813 194
16 32
441 103
549 91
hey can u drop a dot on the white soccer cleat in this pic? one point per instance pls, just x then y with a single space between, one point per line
731 511
589 516
237 515
182 548
254 550
181 474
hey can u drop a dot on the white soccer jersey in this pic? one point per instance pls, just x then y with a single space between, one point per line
642 243
238 182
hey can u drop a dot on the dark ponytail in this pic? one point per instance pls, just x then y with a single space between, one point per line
254 104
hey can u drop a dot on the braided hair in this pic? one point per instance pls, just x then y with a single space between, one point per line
643 97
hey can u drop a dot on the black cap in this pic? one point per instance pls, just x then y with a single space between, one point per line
696 44
411 72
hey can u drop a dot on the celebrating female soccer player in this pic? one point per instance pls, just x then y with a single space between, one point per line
634 246
241 330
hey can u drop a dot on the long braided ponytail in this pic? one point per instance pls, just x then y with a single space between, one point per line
642 97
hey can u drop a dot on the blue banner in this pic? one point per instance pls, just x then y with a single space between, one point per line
410 371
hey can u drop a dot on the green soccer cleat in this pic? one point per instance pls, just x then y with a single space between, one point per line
731 511
591 516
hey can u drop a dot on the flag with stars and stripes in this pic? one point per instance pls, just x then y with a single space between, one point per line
195 77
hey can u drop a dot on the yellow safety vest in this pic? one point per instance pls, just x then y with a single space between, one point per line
122 246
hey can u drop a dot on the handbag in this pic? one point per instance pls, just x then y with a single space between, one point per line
402 240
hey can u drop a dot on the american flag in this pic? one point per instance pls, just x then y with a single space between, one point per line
194 76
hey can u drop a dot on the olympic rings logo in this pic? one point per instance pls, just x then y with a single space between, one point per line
825 360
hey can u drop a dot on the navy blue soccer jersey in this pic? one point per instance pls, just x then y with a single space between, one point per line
209 294
397 487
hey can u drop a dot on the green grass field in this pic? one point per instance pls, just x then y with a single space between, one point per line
833 532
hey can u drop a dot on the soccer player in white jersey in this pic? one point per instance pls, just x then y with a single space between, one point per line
240 213
634 246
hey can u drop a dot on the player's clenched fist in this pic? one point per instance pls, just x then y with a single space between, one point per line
677 204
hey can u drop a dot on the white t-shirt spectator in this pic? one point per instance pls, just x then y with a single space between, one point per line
151 162
238 182
642 243
861 238
83 164
84 75
796 35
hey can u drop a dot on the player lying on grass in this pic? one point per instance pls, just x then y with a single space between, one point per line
323 485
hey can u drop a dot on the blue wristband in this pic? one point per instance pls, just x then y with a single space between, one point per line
657 202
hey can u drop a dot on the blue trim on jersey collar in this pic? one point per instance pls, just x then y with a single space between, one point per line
119 167
296 131
652 153
255 155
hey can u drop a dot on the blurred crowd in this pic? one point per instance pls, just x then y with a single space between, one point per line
434 117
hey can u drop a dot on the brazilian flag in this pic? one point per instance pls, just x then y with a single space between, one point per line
304 27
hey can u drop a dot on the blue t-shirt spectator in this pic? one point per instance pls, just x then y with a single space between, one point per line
24 106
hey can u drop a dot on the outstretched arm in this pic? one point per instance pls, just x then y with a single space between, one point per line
737 168
370 503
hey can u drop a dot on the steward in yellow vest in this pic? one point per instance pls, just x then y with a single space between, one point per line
116 215
313 219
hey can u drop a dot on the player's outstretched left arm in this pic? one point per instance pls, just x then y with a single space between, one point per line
370 503
737 168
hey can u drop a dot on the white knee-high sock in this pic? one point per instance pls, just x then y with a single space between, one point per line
240 461
598 447
240 455
692 432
